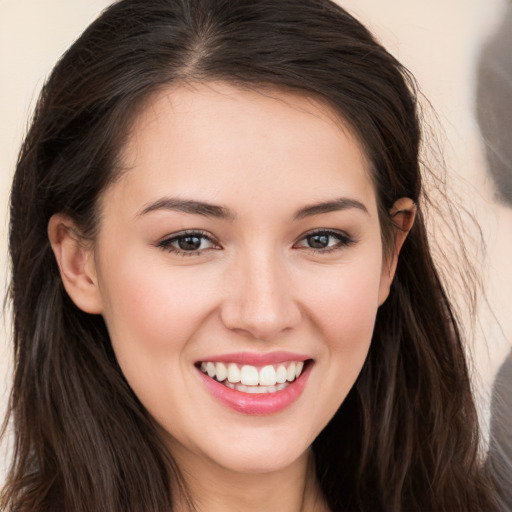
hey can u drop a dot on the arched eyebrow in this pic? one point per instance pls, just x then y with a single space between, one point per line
221 212
341 203
188 206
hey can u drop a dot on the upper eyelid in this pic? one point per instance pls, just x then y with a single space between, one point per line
188 232
329 231
168 239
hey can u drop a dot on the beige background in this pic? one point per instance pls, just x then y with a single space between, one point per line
439 40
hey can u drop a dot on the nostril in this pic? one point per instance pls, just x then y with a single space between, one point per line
261 320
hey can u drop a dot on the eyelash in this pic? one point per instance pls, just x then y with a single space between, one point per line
343 240
166 244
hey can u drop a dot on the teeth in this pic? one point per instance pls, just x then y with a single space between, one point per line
256 389
290 373
248 378
281 374
267 376
210 369
249 375
233 373
221 371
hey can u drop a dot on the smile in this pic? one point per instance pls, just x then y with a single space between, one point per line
255 384
252 379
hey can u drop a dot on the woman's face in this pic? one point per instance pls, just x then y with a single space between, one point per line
240 244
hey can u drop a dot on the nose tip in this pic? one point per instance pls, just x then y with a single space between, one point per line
261 304
258 323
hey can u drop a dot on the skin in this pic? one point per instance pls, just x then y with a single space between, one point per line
255 284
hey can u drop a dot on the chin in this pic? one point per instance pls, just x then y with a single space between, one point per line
257 459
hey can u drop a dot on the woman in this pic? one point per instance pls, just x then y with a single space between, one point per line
210 309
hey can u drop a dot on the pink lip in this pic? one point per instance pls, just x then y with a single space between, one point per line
257 404
256 359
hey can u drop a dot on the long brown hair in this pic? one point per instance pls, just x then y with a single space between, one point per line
406 437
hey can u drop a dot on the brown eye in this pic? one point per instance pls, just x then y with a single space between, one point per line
188 243
318 241
324 241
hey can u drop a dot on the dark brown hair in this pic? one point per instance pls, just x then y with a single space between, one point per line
405 438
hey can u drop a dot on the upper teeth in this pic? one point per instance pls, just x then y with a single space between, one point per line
249 375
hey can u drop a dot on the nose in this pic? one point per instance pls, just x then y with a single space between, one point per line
260 301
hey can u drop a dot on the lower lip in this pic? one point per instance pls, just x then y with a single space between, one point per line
257 404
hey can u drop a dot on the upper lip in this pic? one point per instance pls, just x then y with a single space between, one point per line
256 358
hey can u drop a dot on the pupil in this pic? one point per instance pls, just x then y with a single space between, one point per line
189 243
318 241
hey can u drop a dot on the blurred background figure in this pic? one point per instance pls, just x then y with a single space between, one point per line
494 114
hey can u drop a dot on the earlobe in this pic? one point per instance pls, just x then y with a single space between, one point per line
402 214
75 259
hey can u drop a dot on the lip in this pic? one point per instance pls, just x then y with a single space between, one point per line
257 404
255 359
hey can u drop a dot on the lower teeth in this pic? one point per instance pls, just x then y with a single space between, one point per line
255 389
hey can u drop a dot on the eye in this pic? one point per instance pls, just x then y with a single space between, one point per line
188 243
324 241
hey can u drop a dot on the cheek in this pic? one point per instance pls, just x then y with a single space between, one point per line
348 331
151 310
153 316
344 304
343 307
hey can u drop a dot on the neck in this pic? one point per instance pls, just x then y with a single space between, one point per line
215 489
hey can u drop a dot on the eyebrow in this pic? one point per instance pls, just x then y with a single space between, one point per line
212 210
189 206
341 203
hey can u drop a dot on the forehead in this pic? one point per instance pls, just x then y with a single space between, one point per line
207 139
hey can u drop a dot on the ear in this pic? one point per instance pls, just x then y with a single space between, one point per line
403 214
77 267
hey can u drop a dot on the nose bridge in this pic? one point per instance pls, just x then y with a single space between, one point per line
261 300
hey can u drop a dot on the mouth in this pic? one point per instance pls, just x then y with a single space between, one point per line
253 379
256 389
